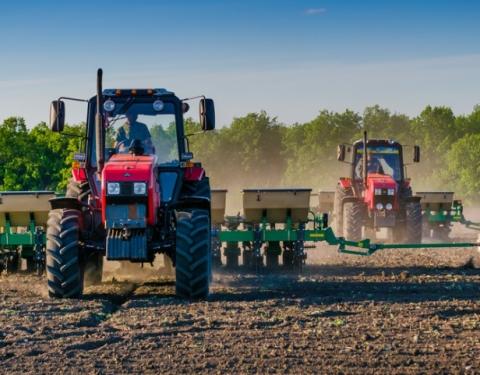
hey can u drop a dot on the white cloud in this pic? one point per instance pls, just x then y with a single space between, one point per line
314 11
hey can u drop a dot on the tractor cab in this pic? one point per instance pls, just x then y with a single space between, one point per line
134 192
384 158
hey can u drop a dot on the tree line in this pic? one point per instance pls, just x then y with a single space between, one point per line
257 150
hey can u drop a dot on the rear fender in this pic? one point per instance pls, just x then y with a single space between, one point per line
412 199
79 174
345 183
194 173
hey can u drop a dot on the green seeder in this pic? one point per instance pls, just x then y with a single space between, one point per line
23 217
279 223
439 211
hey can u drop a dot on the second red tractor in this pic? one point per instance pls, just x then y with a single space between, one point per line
377 195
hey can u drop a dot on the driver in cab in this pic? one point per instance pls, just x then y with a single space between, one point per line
133 132
373 166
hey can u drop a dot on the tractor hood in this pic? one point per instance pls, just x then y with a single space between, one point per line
126 170
126 167
381 188
381 181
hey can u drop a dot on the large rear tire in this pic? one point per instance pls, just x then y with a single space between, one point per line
353 219
64 271
79 190
413 222
193 254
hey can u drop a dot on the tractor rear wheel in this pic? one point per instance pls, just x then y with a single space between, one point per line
353 218
79 190
64 271
413 222
193 258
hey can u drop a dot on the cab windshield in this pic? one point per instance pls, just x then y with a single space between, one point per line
381 160
150 126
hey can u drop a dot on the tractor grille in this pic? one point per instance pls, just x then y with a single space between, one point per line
384 199
133 247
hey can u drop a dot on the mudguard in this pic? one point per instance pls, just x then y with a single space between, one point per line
68 203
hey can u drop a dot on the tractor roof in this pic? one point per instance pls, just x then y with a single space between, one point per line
378 142
137 92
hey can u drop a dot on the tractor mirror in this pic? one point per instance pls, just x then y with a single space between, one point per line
57 116
207 114
341 150
185 107
416 154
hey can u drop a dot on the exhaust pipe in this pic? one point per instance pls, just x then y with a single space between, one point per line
365 159
99 128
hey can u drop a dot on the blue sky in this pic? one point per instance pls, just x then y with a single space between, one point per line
290 58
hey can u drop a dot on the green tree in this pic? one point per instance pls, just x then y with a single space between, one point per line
310 149
463 166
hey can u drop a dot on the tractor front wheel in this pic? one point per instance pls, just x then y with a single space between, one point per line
413 222
193 258
64 271
353 218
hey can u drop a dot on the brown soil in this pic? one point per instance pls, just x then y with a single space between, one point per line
394 312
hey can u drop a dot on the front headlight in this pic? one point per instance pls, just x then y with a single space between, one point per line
139 188
391 192
378 191
113 188
379 206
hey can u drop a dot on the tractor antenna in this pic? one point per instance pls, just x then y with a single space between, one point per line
99 131
365 158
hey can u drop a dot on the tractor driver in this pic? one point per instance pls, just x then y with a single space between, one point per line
133 130
373 166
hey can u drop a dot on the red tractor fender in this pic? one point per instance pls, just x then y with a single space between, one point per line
194 173
345 183
79 174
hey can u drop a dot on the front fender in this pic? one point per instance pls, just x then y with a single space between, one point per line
193 202
68 203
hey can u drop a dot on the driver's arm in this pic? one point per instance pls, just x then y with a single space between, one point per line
121 137
146 138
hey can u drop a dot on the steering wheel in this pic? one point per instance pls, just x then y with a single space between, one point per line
122 146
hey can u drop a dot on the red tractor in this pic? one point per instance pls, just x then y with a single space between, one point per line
134 193
377 195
